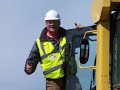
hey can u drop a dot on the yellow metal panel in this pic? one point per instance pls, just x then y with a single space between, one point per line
102 69
99 10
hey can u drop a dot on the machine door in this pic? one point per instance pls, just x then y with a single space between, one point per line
115 50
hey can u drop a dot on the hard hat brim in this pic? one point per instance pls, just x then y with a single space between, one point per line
52 18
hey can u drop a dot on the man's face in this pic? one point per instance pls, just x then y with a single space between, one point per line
53 25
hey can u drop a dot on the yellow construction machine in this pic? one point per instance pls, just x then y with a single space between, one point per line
106 16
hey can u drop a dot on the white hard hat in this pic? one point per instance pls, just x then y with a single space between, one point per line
52 15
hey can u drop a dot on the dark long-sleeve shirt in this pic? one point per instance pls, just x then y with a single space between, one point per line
34 56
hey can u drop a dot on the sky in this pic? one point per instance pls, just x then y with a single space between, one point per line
21 22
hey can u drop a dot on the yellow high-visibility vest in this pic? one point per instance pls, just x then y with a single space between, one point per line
51 59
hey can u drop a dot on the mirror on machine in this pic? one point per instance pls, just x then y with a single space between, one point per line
84 51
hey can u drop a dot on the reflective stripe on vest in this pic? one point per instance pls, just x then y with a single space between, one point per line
52 59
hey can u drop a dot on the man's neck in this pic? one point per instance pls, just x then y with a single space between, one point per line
52 35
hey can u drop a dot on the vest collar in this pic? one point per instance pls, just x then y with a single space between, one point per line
43 37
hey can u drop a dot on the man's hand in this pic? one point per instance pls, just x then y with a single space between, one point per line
78 26
29 69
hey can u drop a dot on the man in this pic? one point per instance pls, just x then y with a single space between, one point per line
49 50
